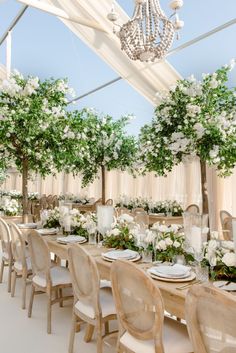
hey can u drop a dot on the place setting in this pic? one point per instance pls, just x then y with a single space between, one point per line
176 273
127 254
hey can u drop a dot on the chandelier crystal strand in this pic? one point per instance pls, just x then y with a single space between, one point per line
149 34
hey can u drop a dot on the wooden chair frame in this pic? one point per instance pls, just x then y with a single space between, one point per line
6 247
193 205
155 333
49 289
77 316
25 272
196 293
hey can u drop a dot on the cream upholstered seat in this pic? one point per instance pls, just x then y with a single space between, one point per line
59 275
140 312
22 264
6 256
93 304
46 279
210 316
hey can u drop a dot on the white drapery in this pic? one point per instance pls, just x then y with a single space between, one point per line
182 184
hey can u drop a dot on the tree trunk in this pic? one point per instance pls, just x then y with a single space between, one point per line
205 206
103 185
25 172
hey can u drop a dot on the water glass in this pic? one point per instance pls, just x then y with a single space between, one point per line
92 238
179 259
202 273
146 255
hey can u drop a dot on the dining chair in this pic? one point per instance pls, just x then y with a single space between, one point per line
109 202
193 208
92 304
210 316
123 210
140 313
7 258
46 278
22 263
226 224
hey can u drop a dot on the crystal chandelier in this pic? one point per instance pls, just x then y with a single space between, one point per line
149 34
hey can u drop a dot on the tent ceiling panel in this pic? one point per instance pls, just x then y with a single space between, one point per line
146 78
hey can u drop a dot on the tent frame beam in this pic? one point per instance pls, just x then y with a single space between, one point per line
13 23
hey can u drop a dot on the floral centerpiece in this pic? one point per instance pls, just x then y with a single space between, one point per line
10 207
169 243
83 224
17 195
52 218
167 207
220 256
123 234
193 120
132 202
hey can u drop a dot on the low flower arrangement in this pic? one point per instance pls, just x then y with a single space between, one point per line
52 219
169 243
167 207
83 224
83 200
220 256
17 195
123 234
10 207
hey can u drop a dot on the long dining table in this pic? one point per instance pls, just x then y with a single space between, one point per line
174 298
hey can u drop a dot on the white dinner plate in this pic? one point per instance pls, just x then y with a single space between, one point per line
120 254
225 285
27 225
176 271
191 277
47 231
70 239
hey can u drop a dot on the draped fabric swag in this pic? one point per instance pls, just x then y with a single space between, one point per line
182 184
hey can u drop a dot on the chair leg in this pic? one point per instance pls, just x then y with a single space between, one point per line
9 276
13 287
106 328
61 297
31 300
72 333
88 333
1 271
49 313
99 338
24 280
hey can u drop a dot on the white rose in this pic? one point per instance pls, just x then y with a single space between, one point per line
176 244
126 218
229 259
161 245
227 245
163 228
168 241
115 231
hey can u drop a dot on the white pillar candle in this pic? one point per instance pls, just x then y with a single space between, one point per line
196 238
67 223
105 218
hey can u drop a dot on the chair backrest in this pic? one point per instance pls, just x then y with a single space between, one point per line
18 244
210 316
109 202
49 200
55 201
40 255
85 277
5 237
138 303
224 214
227 227
43 202
123 210
193 208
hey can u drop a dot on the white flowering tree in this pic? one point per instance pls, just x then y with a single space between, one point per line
33 122
102 144
193 119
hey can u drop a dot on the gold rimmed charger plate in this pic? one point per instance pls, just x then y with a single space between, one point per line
112 260
190 278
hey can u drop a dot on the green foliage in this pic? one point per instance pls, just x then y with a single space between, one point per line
194 119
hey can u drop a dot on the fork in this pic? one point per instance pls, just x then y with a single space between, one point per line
188 285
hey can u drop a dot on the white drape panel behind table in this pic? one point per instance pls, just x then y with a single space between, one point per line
182 184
